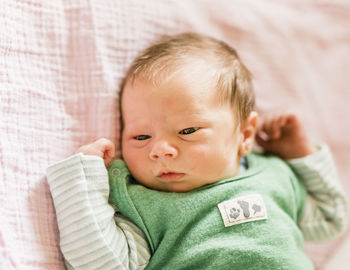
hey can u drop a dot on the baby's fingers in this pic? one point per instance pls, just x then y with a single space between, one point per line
103 148
107 147
272 129
292 120
90 149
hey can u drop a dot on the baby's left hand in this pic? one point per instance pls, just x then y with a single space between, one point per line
284 136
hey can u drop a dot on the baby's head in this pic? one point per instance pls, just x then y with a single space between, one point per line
187 111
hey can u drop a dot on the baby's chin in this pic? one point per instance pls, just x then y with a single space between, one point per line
179 189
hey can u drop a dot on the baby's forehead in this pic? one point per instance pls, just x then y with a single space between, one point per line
178 90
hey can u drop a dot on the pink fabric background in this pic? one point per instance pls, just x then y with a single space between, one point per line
61 63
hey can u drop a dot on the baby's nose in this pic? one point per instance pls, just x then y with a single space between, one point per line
163 149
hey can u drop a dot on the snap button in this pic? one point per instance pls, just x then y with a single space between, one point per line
115 172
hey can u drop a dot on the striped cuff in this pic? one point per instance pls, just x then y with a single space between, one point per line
325 213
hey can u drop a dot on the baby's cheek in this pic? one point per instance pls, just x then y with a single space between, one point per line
200 158
134 162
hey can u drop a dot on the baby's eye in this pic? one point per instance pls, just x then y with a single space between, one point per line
142 137
187 131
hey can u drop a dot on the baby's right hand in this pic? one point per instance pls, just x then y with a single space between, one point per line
102 148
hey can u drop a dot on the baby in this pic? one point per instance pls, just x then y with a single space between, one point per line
189 194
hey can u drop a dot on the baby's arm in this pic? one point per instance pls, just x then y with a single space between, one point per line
90 236
324 215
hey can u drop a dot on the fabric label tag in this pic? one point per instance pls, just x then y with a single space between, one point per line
242 209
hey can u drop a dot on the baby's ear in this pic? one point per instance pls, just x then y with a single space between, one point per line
248 129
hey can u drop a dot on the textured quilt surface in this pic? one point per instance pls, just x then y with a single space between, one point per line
61 64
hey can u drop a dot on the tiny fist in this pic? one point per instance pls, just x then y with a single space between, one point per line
103 148
107 147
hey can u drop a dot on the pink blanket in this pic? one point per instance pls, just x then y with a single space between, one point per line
62 62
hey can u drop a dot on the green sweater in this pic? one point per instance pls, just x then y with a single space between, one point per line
246 222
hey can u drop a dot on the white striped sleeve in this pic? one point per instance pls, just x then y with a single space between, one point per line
325 213
90 236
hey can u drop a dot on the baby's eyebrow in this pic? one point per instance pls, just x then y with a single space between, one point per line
136 128
198 118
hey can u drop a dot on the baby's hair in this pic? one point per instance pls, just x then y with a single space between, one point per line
175 53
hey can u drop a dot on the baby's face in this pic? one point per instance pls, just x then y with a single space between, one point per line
177 136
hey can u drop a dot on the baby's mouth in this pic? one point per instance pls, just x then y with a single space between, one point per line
170 176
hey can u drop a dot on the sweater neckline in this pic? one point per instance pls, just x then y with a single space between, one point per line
255 165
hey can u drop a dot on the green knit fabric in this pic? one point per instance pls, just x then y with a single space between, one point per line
186 230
